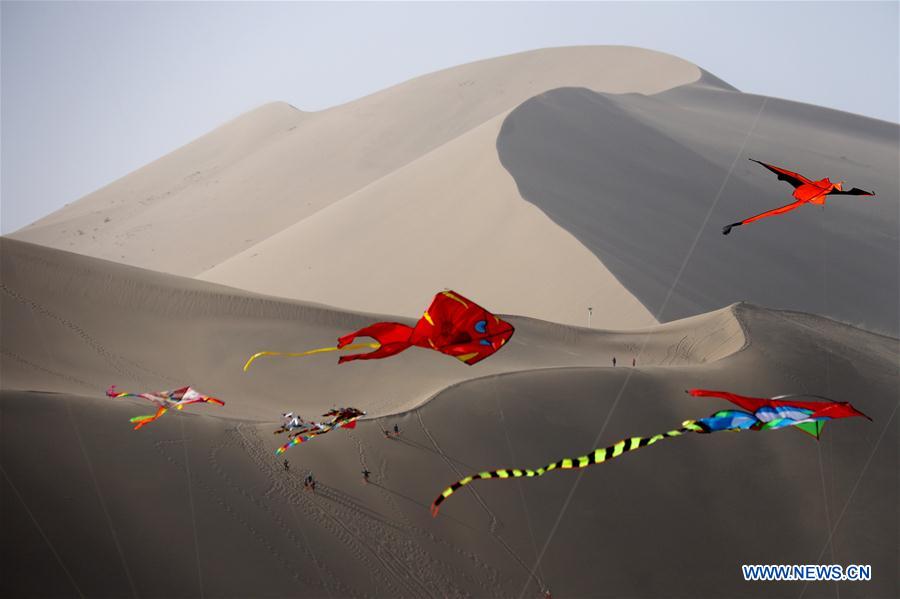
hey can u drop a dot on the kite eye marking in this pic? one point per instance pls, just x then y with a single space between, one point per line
485 342
481 326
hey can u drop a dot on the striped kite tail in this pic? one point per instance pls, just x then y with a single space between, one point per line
140 421
294 441
597 457
111 392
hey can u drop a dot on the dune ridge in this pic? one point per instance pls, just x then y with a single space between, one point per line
222 208
98 322
373 135
550 393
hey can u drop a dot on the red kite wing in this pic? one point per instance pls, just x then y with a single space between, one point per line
795 179
856 191
828 408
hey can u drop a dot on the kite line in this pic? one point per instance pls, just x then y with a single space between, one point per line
187 471
41 530
687 258
859 478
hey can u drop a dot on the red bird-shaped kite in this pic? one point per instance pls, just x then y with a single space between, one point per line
452 325
805 192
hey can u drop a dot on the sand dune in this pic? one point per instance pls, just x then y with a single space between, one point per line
537 184
634 177
92 504
451 218
524 190
282 202
75 323
677 519
274 167
252 192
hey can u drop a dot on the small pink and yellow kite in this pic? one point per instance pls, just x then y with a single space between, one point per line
164 400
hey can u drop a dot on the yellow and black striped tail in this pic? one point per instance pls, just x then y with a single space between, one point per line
597 457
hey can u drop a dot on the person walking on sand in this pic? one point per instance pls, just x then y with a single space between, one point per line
366 474
614 361
287 466
633 362
396 430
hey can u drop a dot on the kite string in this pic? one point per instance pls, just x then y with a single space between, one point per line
187 470
681 269
837 584
100 497
512 453
40 335
840 517
41 530
827 511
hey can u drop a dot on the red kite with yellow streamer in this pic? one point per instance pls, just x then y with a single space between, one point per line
452 325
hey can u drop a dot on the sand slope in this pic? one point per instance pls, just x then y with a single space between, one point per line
260 204
93 510
369 205
71 322
452 218
272 167
645 183
634 178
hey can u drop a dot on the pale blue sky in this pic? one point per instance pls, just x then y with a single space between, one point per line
92 91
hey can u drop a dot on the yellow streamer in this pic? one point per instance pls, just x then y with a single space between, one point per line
308 353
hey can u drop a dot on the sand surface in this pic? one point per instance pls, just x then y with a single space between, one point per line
75 323
547 182
647 182
94 506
